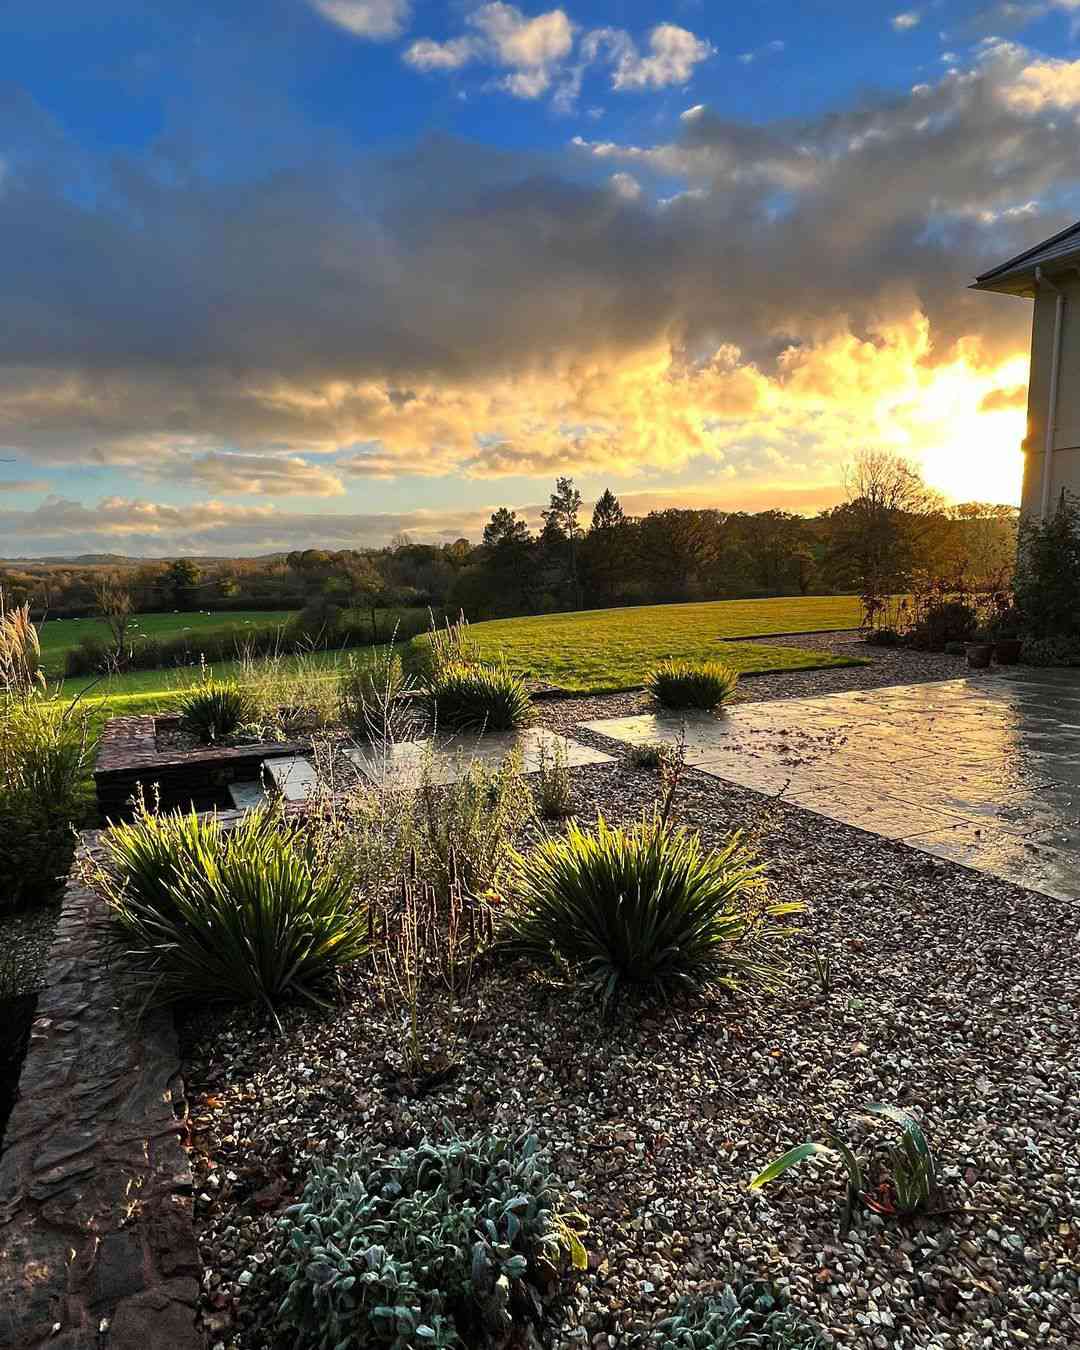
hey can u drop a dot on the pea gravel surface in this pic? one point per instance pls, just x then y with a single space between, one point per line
954 996
885 665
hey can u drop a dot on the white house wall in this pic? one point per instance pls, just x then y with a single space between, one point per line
1065 462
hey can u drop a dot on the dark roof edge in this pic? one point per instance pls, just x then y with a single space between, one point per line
1029 253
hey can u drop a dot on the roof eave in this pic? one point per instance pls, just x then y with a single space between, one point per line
1022 284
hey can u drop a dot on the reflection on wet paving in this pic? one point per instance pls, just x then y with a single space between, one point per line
983 771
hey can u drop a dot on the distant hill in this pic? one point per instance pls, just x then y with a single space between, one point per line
123 559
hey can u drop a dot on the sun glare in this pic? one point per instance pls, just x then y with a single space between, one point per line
970 429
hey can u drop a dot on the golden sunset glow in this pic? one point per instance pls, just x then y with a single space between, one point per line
975 421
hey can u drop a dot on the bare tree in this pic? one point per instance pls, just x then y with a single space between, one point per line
115 604
880 528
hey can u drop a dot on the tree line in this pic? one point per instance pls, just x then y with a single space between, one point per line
889 528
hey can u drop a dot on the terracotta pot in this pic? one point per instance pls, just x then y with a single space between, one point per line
1007 651
979 654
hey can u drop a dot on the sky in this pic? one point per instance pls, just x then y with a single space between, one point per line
310 273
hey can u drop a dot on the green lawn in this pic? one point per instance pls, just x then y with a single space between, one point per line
58 636
592 651
610 649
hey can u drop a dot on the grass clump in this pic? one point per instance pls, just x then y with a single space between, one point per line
20 653
46 748
252 914
554 790
651 756
213 709
646 908
473 822
442 1245
478 698
373 697
682 684
745 1315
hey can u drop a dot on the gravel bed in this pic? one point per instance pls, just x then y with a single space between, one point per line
955 995
25 939
889 665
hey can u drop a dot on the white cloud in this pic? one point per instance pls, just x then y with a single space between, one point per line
672 54
770 49
531 50
1042 85
23 485
147 529
538 54
379 20
904 22
526 44
376 350
257 475
626 186
426 54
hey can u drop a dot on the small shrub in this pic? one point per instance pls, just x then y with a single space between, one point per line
884 637
554 790
1047 583
473 819
746 1315
214 709
444 644
650 756
478 698
646 908
944 621
373 698
679 684
446 1244
955 649
255 913
1059 651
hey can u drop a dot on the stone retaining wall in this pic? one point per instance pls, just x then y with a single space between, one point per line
128 756
97 1250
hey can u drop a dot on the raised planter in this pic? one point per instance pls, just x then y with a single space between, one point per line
129 758
979 654
97 1247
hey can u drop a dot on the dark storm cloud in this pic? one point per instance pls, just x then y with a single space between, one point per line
151 308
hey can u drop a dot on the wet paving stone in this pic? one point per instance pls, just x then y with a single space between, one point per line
984 771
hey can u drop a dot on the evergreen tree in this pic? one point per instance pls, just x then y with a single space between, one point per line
561 518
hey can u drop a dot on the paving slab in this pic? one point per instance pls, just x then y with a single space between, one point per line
292 776
245 796
450 758
984 770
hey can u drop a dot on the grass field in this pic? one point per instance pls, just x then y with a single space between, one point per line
58 636
604 650
592 651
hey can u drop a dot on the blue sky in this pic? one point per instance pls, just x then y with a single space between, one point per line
322 270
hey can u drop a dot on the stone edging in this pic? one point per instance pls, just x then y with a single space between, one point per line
97 1248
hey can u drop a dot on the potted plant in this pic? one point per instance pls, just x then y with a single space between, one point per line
980 649
1006 633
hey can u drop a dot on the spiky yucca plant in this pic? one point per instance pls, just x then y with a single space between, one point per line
214 709
465 697
200 912
682 684
646 907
